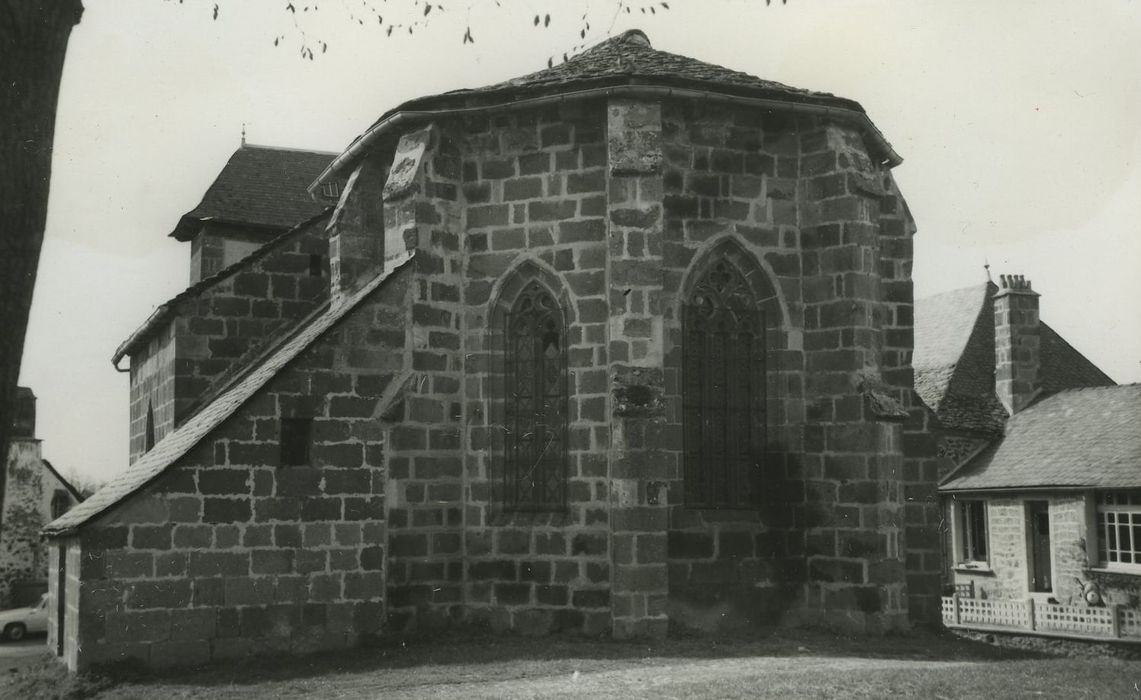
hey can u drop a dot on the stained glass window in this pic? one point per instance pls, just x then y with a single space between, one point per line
536 403
723 391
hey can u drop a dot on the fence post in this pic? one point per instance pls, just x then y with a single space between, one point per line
1030 613
1115 623
958 613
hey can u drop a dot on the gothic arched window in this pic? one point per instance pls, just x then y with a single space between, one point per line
536 403
723 390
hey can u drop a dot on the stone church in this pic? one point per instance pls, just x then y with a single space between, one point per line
618 345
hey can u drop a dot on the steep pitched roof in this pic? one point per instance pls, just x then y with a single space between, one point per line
1080 438
166 311
954 360
176 444
260 186
623 62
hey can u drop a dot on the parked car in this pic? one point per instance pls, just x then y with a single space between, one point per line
17 624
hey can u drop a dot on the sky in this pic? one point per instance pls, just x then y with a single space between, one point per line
1019 125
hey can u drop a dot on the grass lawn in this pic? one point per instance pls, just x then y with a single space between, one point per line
775 664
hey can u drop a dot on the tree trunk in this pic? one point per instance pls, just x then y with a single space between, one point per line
33 41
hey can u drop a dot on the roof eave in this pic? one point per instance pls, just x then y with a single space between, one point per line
759 98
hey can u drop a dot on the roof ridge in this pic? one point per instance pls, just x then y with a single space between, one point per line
287 149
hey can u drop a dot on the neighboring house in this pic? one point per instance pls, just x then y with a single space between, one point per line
620 343
1049 467
36 495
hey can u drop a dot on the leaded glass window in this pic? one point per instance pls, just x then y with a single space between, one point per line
536 403
723 391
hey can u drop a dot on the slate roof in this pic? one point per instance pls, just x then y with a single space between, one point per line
260 187
954 360
177 443
166 311
1077 438
625 60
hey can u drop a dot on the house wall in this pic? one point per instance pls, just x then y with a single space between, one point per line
29 489
1073 541
229 553
220 328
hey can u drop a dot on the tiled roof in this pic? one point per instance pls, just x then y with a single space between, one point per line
160 316
954 360
176 444
624 61
1081 438
261 187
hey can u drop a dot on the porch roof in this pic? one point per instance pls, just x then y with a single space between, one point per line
1079 438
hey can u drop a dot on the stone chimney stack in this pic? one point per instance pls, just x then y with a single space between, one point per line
1017 343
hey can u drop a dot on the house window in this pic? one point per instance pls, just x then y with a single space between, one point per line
296 438
316 267
972 531
60 503
330 190
723 391
1119 528
535 374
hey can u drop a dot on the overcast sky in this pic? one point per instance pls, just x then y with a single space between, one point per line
1019 124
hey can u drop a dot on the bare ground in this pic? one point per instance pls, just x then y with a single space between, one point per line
777 665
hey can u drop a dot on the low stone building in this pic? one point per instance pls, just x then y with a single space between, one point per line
616 345
1048 451
35 495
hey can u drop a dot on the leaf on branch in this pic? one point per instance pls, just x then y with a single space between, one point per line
389 30
536 20
666 5
215 10
550 63
427 9
276 40
546 21
291 8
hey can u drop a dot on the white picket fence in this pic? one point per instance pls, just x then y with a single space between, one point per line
1110 622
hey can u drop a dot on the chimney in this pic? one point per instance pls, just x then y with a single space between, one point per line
1017 344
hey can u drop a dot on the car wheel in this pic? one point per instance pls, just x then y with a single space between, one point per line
15 631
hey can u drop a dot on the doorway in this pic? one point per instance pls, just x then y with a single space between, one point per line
1041 556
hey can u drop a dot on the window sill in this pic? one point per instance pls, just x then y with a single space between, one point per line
1130 571
973 567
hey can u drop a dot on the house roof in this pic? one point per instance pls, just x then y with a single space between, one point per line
619 65
1077 438
177 443
66 484
166 311
259 187
954 360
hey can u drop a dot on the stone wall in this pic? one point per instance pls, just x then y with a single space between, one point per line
614 207
218 246
22 556
1073 543
729 181
534 184
222 327
231 553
